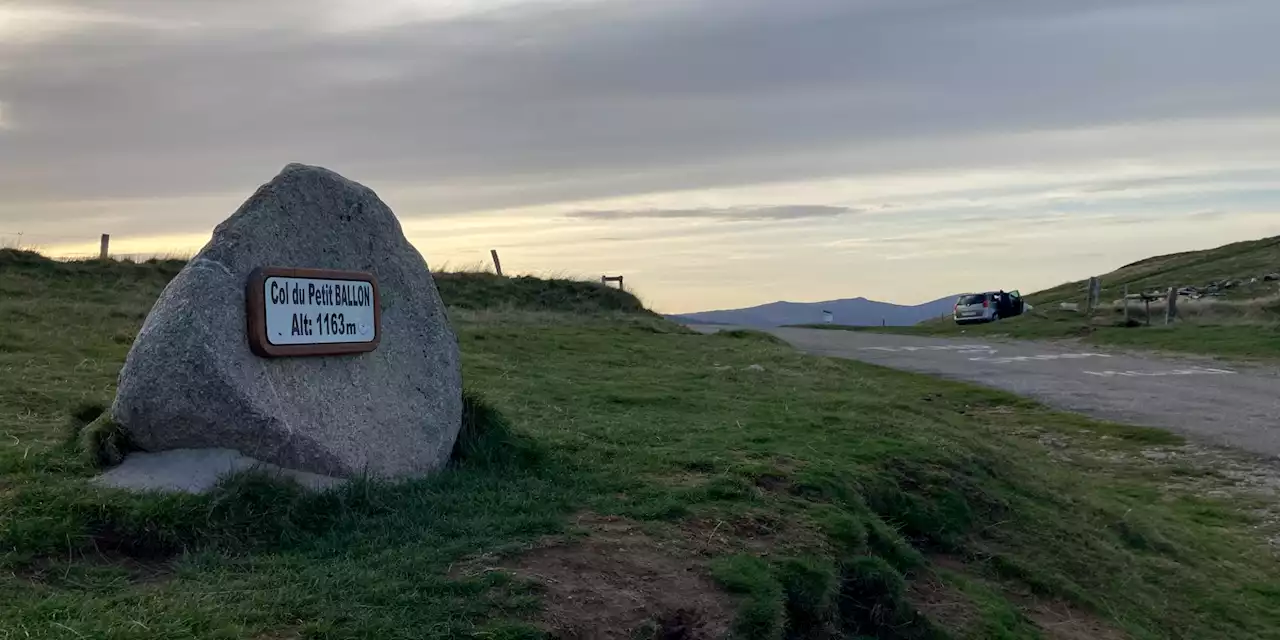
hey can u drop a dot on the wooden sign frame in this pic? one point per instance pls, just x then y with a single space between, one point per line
256 313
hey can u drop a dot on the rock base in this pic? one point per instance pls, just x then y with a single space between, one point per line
197 471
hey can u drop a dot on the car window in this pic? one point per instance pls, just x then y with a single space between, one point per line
976 298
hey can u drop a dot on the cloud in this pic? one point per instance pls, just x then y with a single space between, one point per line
1135 183
1208 214
734 214
627 97
925 117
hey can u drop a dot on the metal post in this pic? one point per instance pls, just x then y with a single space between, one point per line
106 245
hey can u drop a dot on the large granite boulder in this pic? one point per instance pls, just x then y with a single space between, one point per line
192 382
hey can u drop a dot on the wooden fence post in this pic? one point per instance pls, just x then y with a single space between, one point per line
1171 310
104 250
497 264
1126 305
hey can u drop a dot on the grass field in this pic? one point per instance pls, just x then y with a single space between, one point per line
622 473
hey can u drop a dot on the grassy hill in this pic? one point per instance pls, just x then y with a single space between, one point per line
1241 319
621 477
478 290
1238 262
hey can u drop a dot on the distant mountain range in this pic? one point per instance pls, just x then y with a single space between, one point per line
854 311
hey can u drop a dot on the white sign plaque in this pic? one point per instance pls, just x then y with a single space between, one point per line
312 312
315 311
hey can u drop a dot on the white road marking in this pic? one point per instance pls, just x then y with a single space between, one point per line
1040 358
940 347
969 349
1194 371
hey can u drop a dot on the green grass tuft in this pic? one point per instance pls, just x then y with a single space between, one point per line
87 412
873 602
811 586
889 544
761 611
81 416
103 443
487 439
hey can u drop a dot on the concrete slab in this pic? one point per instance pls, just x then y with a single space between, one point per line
197 471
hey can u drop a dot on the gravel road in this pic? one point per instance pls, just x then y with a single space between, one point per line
1201 398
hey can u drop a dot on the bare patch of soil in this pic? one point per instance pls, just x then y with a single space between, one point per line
1061 621
760 533
618 582
943 605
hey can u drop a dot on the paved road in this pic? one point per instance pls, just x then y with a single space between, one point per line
1208 400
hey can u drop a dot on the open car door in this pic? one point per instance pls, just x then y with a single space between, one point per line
1016 304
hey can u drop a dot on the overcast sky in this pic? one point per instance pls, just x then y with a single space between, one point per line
718 153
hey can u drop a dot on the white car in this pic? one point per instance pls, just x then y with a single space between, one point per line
973 308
